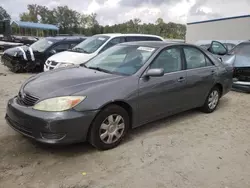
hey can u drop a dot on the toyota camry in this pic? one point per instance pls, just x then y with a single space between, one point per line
126 86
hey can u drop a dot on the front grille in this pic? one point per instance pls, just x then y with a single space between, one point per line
53 63
26 99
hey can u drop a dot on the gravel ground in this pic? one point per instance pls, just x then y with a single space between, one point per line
190 150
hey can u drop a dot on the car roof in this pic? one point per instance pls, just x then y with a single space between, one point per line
68 38
127 35
156 44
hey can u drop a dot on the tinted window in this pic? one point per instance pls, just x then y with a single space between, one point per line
113 42
61 47
195 58
169 60
142 38
41 45
153 39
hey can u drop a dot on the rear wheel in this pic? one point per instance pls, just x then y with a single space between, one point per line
109 127
212 100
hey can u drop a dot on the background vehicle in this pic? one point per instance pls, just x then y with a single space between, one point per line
239 58
92 47
124 87
33 57
218 46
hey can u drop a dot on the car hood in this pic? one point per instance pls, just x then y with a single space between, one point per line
66 81
71 57
237 60
24 52
14 50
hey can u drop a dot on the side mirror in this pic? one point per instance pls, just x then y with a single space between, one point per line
155 73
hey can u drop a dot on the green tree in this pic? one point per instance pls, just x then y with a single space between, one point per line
32 14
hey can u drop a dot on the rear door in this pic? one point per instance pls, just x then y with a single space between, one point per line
161 96
201 74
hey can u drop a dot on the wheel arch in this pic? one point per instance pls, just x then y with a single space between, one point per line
220 87
120 103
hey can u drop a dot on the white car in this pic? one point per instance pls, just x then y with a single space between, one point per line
92 47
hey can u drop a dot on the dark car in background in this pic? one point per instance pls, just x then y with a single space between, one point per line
127 85
29 58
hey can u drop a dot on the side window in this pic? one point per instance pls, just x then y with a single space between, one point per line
131 39
194 58
113 42
169 59
153 39
61 47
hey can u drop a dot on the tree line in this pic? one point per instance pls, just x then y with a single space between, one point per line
72 22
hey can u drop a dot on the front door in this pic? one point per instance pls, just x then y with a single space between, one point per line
200 76
161 96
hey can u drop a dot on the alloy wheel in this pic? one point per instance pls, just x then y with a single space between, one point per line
112 129
213 99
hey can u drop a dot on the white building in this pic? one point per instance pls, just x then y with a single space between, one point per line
231 28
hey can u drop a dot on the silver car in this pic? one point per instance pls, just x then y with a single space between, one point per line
124 87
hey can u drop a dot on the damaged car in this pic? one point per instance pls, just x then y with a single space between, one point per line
32 58
126 86
239 58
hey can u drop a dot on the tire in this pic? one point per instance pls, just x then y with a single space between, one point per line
207 107
102 126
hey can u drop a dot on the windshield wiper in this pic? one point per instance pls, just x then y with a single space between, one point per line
79 50
99 69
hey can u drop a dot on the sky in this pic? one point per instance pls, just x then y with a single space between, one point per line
117 11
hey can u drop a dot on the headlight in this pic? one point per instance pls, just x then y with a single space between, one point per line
65 64
59 104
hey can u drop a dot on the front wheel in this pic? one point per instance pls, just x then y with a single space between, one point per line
109 127
212 100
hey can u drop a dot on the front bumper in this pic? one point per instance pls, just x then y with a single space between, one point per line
9 61
49 127
243 86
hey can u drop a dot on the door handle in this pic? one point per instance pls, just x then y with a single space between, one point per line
213 71
181 79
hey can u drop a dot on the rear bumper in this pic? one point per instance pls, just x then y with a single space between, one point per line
243 86
49 127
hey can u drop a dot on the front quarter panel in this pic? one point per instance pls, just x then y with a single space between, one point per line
125 90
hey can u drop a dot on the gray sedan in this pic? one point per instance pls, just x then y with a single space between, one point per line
124 87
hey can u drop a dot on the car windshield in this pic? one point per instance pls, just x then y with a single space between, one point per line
121 59
242 49
91 44
41 45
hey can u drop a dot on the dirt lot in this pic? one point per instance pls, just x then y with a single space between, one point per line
188 150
